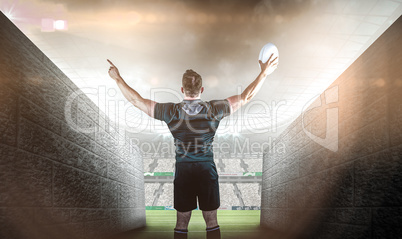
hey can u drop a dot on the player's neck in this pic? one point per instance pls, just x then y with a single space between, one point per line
192 98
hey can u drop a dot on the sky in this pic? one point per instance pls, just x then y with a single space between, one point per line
153 42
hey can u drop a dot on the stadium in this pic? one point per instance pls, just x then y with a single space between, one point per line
89 91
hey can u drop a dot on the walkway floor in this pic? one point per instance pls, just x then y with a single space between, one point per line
234 224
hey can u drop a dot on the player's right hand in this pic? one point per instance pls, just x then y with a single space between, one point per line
113 71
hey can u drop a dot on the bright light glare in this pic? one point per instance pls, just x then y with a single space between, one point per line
60 25
8 11
9 15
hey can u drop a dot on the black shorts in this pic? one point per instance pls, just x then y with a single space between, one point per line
196 179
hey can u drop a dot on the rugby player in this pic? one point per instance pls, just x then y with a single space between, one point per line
193 123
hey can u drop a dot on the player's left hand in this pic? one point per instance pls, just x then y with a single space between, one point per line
113 71
271 63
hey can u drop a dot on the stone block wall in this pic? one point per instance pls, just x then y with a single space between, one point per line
65 172
340 175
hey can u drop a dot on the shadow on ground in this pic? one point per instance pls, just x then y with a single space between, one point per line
144 233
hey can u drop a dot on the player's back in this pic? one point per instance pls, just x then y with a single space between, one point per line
193 124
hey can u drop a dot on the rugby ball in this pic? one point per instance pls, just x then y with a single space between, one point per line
266 52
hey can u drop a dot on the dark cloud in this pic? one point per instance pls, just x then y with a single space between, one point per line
200 5
223 6
239 27
216 38
256 7
285 8
96 5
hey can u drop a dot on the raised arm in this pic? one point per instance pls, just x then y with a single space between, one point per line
238 101
130 94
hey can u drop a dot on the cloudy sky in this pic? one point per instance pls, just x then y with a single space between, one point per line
161 39
153 42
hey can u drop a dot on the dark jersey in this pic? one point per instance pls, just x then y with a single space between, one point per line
193 124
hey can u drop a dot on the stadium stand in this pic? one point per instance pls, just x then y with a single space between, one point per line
147 162
150 192
232 194
253 164
231 165
239 185
228 196
165 165
166 196
251 193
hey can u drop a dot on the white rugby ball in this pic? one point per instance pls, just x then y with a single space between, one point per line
266 52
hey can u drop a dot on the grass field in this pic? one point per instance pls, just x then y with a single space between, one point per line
234 224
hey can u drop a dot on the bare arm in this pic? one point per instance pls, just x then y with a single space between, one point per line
238 101
130 94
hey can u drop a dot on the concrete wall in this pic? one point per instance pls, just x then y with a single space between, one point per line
55 181
350 184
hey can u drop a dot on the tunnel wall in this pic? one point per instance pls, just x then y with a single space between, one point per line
347 183
65 172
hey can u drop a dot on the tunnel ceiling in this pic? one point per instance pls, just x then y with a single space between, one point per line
154 42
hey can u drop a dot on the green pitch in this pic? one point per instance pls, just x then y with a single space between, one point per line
233 224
